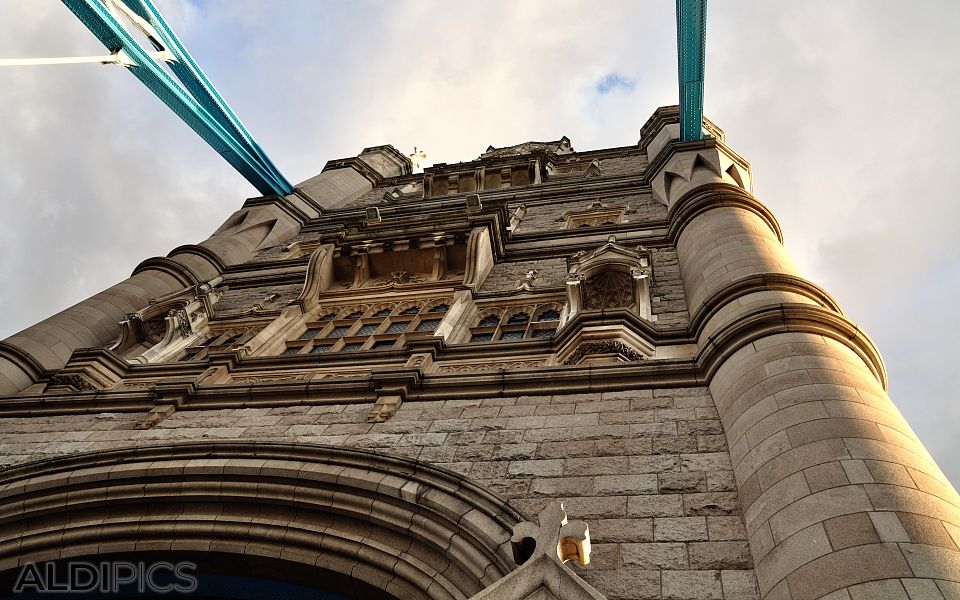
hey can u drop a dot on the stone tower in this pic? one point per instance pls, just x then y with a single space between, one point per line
374 386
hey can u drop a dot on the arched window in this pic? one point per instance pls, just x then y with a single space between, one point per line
549 315
381 330
518 325
489 321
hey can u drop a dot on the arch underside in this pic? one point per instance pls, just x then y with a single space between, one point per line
359 520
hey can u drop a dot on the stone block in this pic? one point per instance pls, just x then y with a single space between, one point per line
851 530
625 485
789 555
888 589
626 583
562 487
720 555
680 529
739 585
661 505
622 530
726 528
845 568
818 507
711 503
922 589
682 482
514 451
536 468
690 585
922 529
599 466
655 555
825 475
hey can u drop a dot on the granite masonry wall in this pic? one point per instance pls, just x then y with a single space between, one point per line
648 469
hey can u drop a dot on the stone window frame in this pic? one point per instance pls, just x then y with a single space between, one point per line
358 337
505 331
217 341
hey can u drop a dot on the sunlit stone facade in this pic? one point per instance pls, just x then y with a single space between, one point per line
369 386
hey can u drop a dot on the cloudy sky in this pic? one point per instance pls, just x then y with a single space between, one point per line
845 108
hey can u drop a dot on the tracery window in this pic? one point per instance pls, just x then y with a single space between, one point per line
377 327
218 341
511 324
610 289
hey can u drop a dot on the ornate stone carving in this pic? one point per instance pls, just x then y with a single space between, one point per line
183 322
491 366
159 413
603 347
136 324
561 146
76 382
398 278
609 289
540 550
268 378
610 276
384 408
569 540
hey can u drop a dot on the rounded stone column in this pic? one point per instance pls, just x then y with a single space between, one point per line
840 498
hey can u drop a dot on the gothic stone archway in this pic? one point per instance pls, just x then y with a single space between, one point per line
360 520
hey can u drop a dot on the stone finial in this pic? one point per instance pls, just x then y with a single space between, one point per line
570 540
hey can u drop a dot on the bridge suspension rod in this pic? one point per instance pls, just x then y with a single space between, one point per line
691 54
189 93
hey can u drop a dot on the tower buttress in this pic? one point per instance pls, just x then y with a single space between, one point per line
829 473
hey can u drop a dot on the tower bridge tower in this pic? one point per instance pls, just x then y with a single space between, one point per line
379 385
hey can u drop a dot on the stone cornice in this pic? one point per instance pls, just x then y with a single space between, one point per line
788 318
758 283
285 205
670 115
201 251
716 195
358 165
178 271
22 359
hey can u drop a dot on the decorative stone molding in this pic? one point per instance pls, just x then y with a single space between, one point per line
552 536
74 382
384 408
595 215
157 414
254 379
168 325
491 366
605 350
319 276
311 505
540 550
610 276
560 147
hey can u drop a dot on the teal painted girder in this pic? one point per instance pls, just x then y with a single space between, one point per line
691 52
193 98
